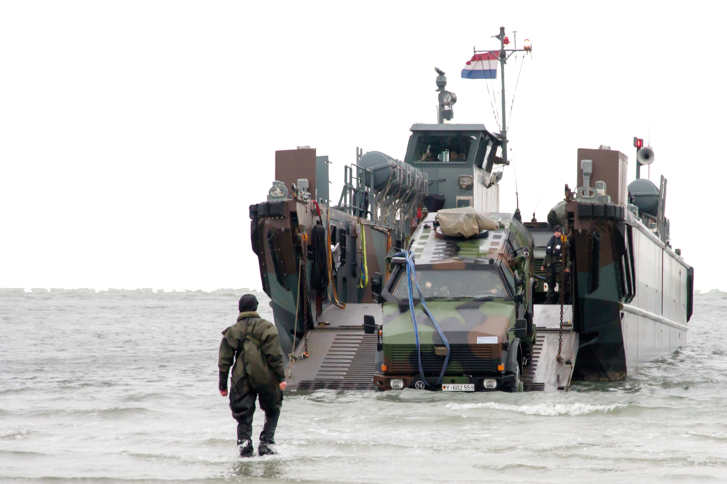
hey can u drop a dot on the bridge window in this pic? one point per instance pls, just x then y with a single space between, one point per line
437 148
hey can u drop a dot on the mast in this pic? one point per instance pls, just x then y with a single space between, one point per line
480 68
503 107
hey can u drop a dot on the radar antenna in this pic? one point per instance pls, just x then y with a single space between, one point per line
446 98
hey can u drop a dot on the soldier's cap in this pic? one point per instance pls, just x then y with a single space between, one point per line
557 228
248 302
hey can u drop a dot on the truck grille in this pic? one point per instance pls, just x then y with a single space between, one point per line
462 359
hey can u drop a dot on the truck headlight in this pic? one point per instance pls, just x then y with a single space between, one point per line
397 384
490 384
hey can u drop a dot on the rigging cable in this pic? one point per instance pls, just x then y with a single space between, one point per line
411 273
291 356
512 103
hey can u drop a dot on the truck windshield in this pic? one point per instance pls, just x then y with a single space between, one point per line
452 283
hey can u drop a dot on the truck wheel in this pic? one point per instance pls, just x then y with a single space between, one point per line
517 385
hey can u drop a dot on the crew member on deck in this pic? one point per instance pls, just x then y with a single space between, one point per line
556 249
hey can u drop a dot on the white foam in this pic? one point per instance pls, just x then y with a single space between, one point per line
546 409
13 433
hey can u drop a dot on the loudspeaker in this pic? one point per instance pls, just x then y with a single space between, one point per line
645 156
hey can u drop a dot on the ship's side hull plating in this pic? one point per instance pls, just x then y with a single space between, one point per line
654 324
630 292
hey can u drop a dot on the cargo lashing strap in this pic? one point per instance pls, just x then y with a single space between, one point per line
411 274
302 283
364 265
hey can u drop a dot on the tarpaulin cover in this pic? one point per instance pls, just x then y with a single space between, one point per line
464 222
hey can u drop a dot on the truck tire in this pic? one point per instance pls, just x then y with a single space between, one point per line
517 385
512 366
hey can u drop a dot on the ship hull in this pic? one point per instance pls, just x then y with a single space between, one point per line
647 337
632 294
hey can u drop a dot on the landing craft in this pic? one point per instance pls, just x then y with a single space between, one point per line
417 279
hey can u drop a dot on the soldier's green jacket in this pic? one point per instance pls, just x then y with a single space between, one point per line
260 359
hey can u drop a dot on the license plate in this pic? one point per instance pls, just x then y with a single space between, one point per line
458 387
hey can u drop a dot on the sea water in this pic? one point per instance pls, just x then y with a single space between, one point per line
121 387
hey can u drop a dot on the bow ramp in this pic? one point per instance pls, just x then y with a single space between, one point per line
546 372
341 355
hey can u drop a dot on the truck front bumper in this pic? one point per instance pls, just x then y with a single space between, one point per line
504 382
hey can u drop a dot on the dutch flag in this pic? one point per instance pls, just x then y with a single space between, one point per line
481 66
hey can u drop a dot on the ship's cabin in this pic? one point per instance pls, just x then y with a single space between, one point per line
458 159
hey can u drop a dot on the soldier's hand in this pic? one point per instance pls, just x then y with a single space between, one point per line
223 393
566 270
283 385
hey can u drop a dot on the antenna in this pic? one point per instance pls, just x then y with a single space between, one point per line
517 196
539 204
649 134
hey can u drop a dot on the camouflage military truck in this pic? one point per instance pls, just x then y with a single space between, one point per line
479 290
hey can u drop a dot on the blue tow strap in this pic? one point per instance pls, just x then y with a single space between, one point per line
411 273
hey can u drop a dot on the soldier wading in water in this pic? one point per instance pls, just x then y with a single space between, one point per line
257 373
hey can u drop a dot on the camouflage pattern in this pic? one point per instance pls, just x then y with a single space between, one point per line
470 324
601 249
462 322
597 311
281 233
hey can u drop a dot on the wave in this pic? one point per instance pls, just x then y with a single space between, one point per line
20 453
14 434
108 413
544 409
719 436
512 466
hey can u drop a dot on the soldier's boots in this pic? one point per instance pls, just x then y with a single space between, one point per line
267 436
245 447
266 448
